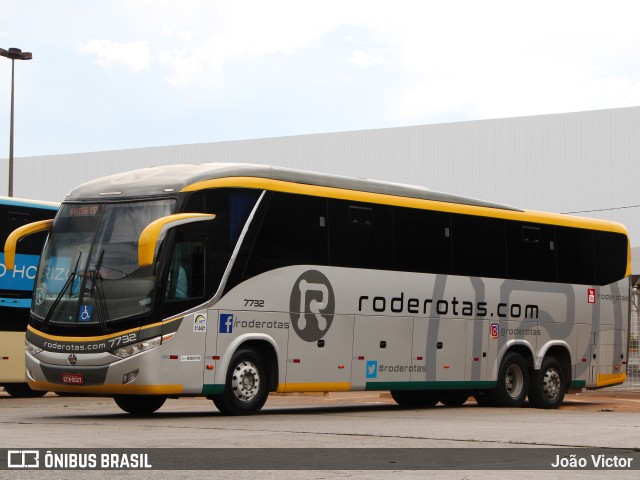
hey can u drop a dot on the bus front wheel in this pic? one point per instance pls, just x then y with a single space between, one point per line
139 404
513 382
246 386
548 385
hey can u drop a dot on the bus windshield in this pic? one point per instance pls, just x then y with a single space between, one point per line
89 269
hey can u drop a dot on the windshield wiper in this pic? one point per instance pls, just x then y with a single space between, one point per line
98 293
69 281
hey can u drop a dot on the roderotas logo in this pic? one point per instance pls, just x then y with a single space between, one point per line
312 305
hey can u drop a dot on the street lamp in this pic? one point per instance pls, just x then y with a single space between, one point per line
13 54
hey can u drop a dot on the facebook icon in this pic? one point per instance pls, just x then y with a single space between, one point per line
226 323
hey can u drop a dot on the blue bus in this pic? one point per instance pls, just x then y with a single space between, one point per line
16 289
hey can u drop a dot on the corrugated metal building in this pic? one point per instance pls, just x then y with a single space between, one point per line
559 163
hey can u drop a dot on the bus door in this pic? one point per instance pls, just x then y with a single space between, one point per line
609 351
186 287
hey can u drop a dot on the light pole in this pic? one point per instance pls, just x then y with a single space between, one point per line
13 54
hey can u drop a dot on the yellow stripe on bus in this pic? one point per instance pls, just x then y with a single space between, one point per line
606 379
401 201
314 387
96 339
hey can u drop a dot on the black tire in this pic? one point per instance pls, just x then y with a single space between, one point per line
246 387
416 398
22 390
139 404
454 398
513 382
548 385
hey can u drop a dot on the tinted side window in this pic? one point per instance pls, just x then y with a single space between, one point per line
232 207
531 253
188 281
422 241
186 278
576 259
611 257
293 231
479 246
360 235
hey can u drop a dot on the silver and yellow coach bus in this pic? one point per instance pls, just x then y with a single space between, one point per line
230 281
16 289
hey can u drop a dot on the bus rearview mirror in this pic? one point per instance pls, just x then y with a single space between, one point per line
155 232
18 234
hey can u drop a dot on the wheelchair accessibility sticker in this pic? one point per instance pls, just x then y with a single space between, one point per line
85 313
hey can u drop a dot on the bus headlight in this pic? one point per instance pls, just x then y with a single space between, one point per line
138 347
31 348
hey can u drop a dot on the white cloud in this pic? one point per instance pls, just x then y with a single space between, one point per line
485 60
244 30
474 60
185 35
364 60
132 56
185 66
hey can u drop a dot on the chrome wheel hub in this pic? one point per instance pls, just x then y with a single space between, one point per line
245 381
514 381
551 385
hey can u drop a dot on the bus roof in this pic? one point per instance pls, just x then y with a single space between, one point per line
174 178
23 202
169 179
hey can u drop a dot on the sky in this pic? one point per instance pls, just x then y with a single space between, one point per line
119 74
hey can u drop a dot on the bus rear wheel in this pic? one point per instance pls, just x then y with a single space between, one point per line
139 404
246 386
416 398
548 385
513 382
22 390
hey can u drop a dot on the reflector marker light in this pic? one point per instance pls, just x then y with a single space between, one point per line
168 336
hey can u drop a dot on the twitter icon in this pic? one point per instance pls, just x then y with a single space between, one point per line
372 368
